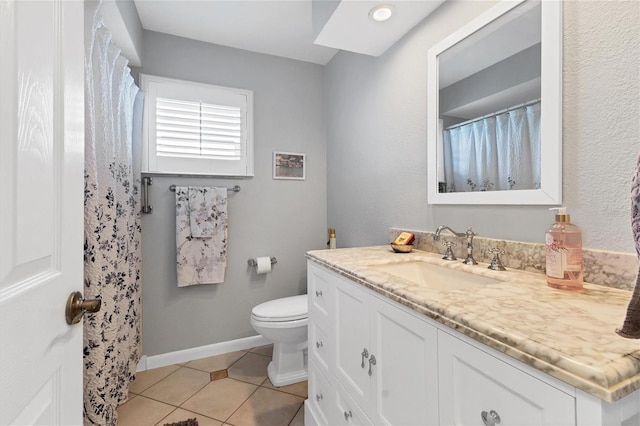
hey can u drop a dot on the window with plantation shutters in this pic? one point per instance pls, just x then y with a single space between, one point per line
195 128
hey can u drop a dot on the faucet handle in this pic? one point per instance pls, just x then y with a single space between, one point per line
496 263
448 254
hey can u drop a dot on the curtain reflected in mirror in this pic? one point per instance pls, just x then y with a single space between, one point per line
497 152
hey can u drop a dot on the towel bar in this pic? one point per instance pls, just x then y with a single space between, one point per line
146 181
146 207
236 188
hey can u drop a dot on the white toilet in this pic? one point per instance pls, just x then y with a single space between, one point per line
284 321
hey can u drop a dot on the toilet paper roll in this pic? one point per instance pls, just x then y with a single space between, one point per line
263 265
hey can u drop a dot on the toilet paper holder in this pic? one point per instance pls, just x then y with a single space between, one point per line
254 262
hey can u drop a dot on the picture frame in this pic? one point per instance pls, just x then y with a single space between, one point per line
289 165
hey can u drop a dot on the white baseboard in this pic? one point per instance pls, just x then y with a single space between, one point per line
142 364
186 355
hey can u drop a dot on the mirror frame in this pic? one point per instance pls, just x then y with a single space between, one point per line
550 191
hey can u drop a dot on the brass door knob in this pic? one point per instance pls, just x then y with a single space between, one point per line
77 306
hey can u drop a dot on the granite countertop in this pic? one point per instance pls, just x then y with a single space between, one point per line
567 335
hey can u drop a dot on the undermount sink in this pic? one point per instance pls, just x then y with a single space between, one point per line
433 276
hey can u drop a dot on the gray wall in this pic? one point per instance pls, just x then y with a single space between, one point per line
267 218
376 135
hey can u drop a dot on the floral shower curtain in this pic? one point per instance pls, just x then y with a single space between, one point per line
112 255
501 152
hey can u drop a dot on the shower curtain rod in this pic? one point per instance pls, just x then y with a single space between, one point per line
493 114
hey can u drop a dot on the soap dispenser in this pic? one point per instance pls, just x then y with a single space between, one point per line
563 242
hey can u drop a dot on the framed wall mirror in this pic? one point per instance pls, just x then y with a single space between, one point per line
494 125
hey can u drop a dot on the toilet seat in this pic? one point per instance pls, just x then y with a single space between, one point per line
280 310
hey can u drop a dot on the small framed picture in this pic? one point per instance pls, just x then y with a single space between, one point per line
288 165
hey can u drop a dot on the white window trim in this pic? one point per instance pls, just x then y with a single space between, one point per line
149 84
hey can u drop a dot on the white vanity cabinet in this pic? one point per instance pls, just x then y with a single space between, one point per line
477 388
424 372
384 363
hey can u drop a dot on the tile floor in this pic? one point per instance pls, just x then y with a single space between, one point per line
185 391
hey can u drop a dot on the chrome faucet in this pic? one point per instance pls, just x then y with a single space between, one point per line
469 260
436 236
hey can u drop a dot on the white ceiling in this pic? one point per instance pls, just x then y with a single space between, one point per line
280 27
350 28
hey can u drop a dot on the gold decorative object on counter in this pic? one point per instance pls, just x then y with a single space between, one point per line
402 248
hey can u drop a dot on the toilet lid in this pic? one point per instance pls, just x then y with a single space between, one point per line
285 309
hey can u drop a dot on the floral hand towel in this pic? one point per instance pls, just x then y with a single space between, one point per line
203 211
631 327
201 260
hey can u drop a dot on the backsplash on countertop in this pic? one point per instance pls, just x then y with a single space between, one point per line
611 269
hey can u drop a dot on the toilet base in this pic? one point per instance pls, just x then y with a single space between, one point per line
284 379
289 364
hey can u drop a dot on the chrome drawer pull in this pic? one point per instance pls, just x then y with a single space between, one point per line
490 419
319 345
347 415
318 397
318 293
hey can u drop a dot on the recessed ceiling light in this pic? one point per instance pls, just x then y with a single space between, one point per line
381 12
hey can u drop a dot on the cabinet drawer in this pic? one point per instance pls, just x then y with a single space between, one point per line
346 411
320 395
473 382
320 291
320 347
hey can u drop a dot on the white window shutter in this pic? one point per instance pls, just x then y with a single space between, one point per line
193 128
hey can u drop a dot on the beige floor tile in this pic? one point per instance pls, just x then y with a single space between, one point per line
215 363
298 420
180 415
145 379
267 407
219 399
179 386
250 368
263 350
141 411
299 389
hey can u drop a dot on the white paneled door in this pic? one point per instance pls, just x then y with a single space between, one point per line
41 209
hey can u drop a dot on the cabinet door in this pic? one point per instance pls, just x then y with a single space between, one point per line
472 382
351 328
405 376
